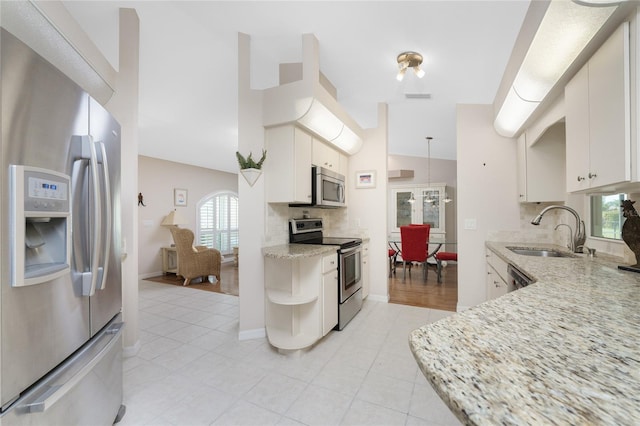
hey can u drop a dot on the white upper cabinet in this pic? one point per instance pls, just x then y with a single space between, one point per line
288 179
324 156
541 166
597 100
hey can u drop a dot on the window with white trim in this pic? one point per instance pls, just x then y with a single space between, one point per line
218 222
606 216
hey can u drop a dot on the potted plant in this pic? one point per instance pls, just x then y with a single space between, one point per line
249 168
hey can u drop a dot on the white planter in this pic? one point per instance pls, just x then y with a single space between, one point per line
251 175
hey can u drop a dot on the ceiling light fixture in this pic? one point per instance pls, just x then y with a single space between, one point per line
409 60
564 31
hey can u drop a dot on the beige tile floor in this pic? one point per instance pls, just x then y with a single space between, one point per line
192 369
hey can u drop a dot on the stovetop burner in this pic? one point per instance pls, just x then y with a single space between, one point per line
309 231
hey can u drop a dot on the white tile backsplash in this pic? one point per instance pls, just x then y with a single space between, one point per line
335 222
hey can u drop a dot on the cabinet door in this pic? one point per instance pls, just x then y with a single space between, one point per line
344 166
402 208
325 156
365 270
544 168
302 165
576 94
329 301
609 111
427 207
522 167
288 175
496 287
432 209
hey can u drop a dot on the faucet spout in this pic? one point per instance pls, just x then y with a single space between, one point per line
579 236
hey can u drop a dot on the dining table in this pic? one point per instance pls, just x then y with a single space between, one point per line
435 240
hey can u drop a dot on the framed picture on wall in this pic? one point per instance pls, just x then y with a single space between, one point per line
180 197
366 179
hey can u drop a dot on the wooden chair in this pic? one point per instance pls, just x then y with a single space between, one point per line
414 240
194 262
444 256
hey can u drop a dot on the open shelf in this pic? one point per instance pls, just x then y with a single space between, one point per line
285 340
283 297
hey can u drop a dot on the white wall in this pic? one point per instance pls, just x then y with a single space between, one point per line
157 180
252 201
367 208
124 106
487 194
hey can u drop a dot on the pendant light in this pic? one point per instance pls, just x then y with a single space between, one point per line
428 198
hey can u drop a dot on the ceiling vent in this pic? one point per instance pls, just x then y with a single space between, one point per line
417 95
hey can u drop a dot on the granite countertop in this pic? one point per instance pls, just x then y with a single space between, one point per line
564 350
293 251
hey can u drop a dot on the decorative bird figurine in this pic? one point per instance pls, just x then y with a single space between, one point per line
631 229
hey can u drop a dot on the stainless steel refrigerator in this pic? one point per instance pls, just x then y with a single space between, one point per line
60 295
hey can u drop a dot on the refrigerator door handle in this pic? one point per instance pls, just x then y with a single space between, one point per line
108 219
53 393
90 279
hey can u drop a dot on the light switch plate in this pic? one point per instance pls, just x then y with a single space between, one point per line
470 224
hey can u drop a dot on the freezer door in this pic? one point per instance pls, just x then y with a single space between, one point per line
85 390
42 109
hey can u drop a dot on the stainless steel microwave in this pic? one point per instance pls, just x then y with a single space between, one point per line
327 188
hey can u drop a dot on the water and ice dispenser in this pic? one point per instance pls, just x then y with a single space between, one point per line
40 224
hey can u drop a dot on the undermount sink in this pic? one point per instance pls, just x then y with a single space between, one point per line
540 252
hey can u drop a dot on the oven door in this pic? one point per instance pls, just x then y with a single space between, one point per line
350 264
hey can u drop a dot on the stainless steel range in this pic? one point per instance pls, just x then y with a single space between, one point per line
349 252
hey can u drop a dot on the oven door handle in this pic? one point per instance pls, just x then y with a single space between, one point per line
350 250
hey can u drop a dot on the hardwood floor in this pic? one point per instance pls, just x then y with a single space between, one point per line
416 292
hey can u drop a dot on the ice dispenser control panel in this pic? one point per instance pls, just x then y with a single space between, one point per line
41 225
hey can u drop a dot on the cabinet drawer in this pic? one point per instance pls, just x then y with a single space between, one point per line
499 265
329 263
496 286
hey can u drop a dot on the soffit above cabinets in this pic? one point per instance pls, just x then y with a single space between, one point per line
37 25
308 102
530 85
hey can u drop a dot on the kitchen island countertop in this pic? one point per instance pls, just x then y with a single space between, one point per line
564 350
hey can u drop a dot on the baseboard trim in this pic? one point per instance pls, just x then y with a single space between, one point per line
129 351
378 298
149 275
257 333
460 308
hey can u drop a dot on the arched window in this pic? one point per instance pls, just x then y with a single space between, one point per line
218 221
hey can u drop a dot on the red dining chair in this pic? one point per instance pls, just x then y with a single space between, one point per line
444 256
414 239
393 255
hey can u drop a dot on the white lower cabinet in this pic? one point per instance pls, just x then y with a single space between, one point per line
329 293
497 276
301 303
365 270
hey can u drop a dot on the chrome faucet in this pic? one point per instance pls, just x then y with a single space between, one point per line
571 242
579 237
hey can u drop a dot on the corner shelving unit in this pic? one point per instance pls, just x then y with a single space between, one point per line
294 305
